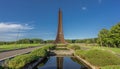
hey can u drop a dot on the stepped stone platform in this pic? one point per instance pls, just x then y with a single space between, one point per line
61 52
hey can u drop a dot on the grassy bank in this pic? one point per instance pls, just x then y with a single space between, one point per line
111 67
115 50
98 57
16 46
103 57
20 61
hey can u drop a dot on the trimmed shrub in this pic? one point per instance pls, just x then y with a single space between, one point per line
19 61
1 67
74 47
49 47
40 52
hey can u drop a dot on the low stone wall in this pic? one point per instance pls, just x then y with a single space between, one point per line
33 64
61 52
90 66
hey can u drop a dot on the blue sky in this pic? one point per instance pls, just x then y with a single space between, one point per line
39 18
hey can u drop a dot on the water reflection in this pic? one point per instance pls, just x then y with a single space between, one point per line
61 63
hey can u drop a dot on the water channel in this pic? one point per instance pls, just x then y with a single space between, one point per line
55 62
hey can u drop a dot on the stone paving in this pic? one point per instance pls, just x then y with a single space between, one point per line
61 52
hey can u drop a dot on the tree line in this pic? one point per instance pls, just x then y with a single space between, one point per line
88 41
107 38
23 41
111 37
41 41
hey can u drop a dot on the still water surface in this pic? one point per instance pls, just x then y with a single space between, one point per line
55 62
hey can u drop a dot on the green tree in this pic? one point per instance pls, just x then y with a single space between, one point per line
69 41
103 37
35 40
115 35
110 37
2 43
49 41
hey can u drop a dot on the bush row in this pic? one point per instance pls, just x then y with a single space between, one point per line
50 46
74 47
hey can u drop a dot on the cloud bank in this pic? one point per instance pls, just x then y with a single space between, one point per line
11 31
12 27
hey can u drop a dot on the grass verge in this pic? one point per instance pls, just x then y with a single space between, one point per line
17 46
99 58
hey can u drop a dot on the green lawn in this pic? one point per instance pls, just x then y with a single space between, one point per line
104 57
113 50
99 58
111 67
16 46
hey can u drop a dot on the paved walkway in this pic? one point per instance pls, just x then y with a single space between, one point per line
9 54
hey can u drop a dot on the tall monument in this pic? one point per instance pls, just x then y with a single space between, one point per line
60 35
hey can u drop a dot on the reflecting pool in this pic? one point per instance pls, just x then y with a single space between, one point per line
55 62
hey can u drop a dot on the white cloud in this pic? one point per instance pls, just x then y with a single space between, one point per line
84 8
12 31
11 36
12 27
99 1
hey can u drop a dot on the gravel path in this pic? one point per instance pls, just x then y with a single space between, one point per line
9 54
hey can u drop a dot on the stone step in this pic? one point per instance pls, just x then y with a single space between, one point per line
61 52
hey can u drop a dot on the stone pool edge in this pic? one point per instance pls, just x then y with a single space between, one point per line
86 63
33 64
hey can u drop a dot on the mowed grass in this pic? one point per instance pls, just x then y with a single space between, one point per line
16 46
98 57
111 67
103 57
113 50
